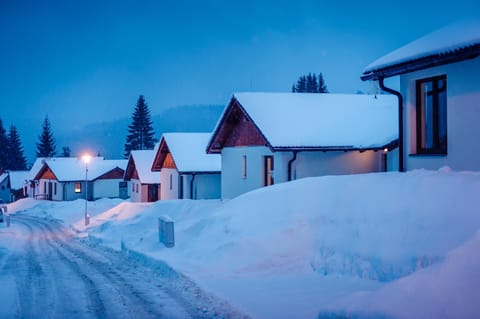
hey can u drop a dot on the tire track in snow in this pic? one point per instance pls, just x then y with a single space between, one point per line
100 276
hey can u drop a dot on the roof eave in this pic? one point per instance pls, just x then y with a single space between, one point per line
390 145
423 63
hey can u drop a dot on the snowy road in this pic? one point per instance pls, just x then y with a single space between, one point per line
45 272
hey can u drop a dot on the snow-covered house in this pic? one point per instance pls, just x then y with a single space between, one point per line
144 183
4 187
267 138
186 170
439 97
18 184
68 179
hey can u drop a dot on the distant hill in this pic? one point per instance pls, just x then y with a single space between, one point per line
108 138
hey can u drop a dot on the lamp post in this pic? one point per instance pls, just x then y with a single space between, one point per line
86 159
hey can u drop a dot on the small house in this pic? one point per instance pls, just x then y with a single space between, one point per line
70 178
144 183
18 184
438 99
186 170
269 138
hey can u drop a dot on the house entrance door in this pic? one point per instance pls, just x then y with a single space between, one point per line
152 192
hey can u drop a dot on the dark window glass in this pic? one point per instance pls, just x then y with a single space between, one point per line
432 115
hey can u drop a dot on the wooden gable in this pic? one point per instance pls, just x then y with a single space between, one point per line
115 173
163 158
236 129
131 171
45 173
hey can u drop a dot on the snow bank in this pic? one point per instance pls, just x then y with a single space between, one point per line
398 245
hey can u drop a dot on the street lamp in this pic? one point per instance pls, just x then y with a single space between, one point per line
86 158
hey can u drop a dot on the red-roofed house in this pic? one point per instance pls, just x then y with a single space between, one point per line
186 170
145 184
267 138
65 179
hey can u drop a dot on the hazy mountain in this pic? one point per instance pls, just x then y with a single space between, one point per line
108 138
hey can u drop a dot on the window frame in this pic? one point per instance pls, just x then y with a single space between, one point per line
244 166
438 147
77 187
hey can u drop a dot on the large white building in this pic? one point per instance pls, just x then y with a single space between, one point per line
439 97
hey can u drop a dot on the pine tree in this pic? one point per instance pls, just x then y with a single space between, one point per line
140 132
322 87
310 84
3 148
66 151
46 146
16 158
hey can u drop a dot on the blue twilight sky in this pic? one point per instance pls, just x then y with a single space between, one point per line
87 61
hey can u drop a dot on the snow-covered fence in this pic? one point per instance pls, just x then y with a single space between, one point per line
166 232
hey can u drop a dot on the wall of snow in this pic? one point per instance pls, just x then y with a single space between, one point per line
463 112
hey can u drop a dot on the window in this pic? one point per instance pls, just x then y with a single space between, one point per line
432 115
133 187
171 182
267 170
136 188
45 187
244 166
54 188
78 187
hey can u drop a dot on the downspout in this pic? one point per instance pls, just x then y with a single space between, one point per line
290 162
191 186
401 166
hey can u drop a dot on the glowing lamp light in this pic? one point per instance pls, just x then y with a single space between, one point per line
385 150
86 158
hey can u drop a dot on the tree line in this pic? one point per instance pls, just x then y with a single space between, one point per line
140 133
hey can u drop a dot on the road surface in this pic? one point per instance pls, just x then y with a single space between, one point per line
46 272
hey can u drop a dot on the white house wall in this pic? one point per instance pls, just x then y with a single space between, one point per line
463 112
169 190
108 188
233 183
135 190
310 164
307 164
205 186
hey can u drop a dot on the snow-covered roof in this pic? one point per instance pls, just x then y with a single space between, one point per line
313 120
73 169
3 176
188 151
18 178
453 40
143 159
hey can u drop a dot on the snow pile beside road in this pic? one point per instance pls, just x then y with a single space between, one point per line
312 245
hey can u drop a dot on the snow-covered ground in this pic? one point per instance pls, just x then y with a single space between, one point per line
387 244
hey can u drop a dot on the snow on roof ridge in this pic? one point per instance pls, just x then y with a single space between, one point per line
316 119
450 38
188 150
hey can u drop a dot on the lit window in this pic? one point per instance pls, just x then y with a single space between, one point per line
78 187
268 169
432 116
244 166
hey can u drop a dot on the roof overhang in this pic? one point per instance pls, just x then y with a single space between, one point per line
388 146
430 61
